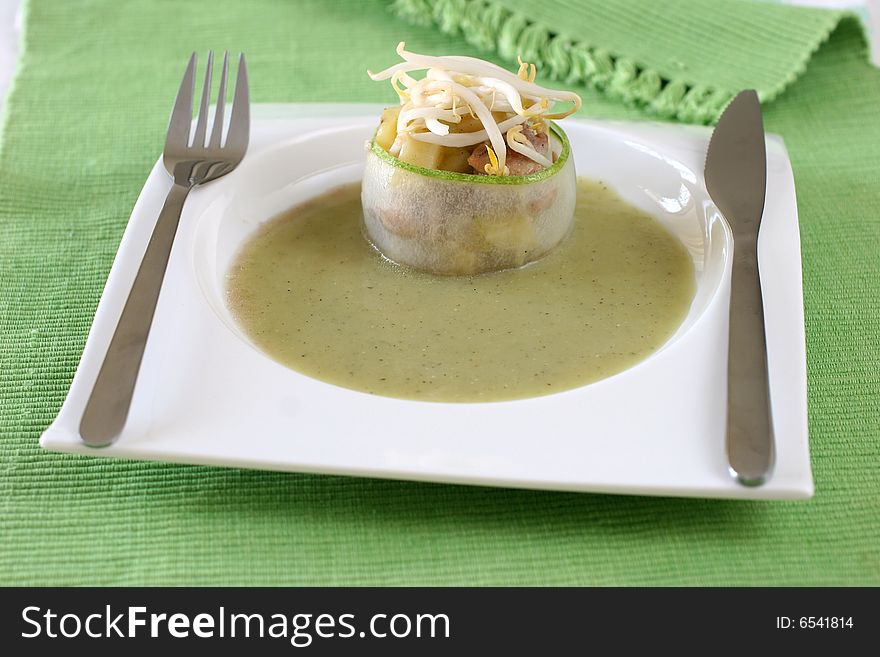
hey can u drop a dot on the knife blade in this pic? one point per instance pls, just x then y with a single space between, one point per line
736 179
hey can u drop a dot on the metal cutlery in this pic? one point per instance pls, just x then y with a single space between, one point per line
736 178
206 158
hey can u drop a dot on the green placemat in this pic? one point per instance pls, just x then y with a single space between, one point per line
682 59
85 122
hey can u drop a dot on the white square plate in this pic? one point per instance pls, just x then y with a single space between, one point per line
205 395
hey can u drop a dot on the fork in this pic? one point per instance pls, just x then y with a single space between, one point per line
189 166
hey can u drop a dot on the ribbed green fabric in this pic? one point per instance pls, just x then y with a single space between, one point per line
85 123
681 59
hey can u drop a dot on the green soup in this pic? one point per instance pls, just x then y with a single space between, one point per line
312 293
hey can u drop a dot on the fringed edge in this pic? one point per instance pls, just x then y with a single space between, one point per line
490 26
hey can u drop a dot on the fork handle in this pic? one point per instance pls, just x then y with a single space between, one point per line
109 402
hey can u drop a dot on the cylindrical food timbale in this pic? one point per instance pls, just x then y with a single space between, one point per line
459 224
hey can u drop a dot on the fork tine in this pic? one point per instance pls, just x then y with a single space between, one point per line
217 129
202 122
239 123
181 115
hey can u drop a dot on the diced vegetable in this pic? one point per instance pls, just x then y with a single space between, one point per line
387 131
421 154
455 159
507 232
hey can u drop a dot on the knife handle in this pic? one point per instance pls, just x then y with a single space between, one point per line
750 439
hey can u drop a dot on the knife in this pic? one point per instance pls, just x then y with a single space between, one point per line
736 178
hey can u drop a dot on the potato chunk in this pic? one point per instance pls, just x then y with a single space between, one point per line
456 159
387 132
420 153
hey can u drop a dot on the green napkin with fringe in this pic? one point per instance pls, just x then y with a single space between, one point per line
680 59
83 126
